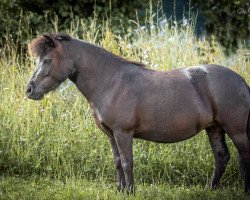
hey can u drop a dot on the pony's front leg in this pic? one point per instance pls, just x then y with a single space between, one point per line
120 178
124 141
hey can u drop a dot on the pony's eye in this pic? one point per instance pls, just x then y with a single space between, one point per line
46 61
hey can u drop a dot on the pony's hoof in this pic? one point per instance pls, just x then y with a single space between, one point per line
120 188
211 187
131 192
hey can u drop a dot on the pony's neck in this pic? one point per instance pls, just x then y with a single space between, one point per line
96 70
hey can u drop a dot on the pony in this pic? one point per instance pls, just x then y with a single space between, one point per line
130 101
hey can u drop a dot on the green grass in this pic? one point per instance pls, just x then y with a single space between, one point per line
52 149
44 188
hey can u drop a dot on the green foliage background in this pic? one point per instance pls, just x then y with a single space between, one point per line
229 21
39 16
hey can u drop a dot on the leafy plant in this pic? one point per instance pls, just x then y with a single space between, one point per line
228 21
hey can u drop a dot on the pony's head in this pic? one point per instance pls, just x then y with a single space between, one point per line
53 64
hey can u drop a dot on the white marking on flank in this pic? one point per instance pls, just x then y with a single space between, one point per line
186 71
203 68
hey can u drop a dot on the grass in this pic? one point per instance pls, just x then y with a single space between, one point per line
42 188
51 149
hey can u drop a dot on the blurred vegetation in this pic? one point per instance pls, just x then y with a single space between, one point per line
228 21
39 16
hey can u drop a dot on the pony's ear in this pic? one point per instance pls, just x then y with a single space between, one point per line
50 40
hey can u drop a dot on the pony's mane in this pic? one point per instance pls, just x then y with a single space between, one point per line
108 53
40 46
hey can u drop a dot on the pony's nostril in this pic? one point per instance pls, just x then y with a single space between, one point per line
29 90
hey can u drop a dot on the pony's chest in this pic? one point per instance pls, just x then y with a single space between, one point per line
96 114
100 120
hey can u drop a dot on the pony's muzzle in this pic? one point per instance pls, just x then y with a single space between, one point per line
32 93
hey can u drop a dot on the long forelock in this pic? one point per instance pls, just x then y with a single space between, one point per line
40 46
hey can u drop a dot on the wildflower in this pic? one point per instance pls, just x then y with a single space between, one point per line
162 23
129 46
185 22
171 39
161 33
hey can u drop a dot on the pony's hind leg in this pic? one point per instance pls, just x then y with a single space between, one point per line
242 144
221 154
241 164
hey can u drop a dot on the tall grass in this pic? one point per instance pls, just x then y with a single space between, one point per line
57 137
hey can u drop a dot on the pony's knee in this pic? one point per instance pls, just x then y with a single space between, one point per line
118 163
127 166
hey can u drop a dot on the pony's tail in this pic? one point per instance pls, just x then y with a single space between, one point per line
248 122
248 127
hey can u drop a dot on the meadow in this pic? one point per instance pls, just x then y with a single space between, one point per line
52 149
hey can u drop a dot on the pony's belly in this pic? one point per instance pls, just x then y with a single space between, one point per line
180 126
168 136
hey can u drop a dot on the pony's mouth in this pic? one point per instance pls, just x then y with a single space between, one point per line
37 96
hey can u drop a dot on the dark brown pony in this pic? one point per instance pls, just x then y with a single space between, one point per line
130 101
